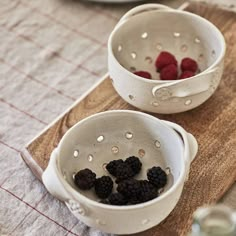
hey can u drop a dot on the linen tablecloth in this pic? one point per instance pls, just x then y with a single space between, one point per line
51 52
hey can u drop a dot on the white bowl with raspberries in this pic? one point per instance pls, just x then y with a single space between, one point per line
121 171
163 60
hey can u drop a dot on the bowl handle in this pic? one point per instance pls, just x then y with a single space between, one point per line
185 88
142 8
51 179
190 145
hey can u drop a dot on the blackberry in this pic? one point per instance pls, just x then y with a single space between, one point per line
134 163
130 188
103 186
112 165
117 199
85 179
104 201
147 191
123 171
134 201
157 176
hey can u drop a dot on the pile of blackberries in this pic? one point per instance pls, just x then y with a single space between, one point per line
129 190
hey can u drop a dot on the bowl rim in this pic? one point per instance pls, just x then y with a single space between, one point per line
72 192
176 11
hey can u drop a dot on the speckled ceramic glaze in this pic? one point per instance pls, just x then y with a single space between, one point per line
141 35
110 135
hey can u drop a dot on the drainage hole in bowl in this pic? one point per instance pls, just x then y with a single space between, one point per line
188 102
81 211
104 166
176 34
133 55
76 153
184 48
145 221
144 35
155 103
128 135
100 138
168 170
114 149
90 157
64 174
157 144
100 222
132 68
131 97
159 46
119 48
197 40
212 89
148 59
213 53
73 175
141 153
200 57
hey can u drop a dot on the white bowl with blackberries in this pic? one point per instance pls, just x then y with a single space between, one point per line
121 171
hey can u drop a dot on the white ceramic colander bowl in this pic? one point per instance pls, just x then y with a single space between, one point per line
97 140
141 35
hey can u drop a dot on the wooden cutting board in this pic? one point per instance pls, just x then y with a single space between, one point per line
213 124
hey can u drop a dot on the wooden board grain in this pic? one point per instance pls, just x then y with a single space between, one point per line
213 124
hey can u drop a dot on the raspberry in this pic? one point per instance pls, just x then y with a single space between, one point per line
85 179
157 176
117 199
148 191
143 74
123 171
112 165
134 163
186 74
103 186
188 64
130 188
170 72
164 59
